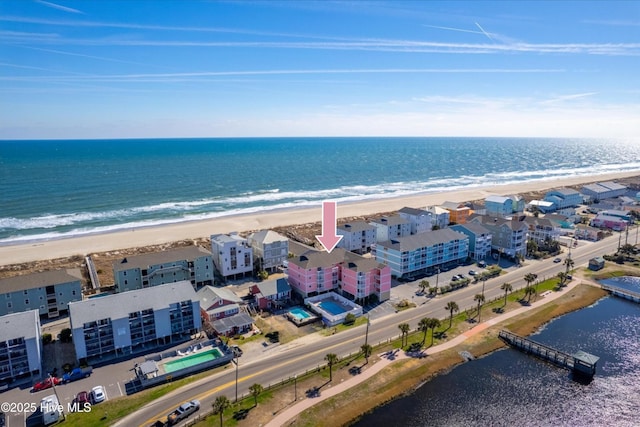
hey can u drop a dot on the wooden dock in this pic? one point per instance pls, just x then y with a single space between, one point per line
622 293
581 362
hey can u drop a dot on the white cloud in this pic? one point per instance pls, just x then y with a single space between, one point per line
59 7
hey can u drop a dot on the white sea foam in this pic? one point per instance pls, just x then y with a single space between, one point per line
82 223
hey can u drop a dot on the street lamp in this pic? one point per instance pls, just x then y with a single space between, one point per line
53 384
437 277
236 363
366 335
295 387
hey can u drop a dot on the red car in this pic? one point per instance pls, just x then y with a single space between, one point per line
46 383
82 398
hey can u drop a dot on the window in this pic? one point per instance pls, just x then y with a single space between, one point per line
26 292
26 301
9 305
73 292
7 296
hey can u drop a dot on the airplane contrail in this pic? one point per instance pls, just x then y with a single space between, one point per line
484 32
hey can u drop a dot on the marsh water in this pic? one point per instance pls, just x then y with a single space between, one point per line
510 388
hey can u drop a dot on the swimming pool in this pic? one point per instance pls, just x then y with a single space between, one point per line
332 307
192 360
300 313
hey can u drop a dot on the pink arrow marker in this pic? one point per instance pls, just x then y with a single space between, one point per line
329 239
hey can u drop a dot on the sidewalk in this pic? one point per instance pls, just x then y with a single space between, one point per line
283 417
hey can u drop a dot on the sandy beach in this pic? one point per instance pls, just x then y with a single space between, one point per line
52 249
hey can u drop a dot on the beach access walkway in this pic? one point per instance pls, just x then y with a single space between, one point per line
286 415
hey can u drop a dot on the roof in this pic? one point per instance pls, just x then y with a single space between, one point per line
564 191
209 295
228 323
188 253
612 185
391 220
586 357
454 206
222 239
595 188
437 210
359 264
313 259
542 203
118 306
414 211
267 236
25 324
274 287
602 217
356 226
473 227
491 221
39 280
497 199
422 240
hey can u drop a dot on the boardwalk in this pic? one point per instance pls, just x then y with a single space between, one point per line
622 293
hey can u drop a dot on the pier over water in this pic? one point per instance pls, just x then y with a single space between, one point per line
621 293
580 362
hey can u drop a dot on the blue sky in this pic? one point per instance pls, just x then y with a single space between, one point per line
131 69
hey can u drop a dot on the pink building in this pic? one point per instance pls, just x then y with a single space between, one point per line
610 222
355 277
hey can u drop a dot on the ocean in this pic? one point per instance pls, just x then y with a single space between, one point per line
62 188
509 388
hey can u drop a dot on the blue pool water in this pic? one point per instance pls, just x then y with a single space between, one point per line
300 313
332 307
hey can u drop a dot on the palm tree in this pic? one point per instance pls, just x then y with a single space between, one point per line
451 306
366 351
532 247
480 299
569 263
220 405
530 278
331 359
506 287
424 285
423 326
433 324
255 391
404 328
562 276
529 291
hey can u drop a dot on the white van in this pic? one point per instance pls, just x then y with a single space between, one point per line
51 409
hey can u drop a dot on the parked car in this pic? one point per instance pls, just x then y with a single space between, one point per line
557 260
97 395
482 264
183 411
77 374
472 272
82 398
46 383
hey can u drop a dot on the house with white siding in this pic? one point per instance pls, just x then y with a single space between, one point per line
191 263
421 220
563 198
391 227
440 217
49 292
423 252
232 255
358 236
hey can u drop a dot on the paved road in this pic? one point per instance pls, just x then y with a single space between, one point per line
299 356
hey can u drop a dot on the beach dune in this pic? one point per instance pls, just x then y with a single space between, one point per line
140 237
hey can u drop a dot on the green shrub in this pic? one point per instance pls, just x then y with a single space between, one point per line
65 335
46 338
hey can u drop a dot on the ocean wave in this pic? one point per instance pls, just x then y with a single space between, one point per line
14 230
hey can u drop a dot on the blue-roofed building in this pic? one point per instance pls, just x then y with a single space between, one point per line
479 239
564 198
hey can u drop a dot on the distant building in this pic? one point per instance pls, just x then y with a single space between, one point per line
191 263
609 222
391 227
439 216
421 220
498 206
358 236
623 215
271 293
315 272
270 249
49 292
458 212
604 190
232 255
129 322
509 236
563 198
479 239
542 229
586 232
541 206
20 345
422 252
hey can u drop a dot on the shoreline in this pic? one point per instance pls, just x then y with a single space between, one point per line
35 250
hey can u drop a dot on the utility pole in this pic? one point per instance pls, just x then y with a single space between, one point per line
366 336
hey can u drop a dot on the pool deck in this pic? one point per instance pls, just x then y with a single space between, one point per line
302 322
